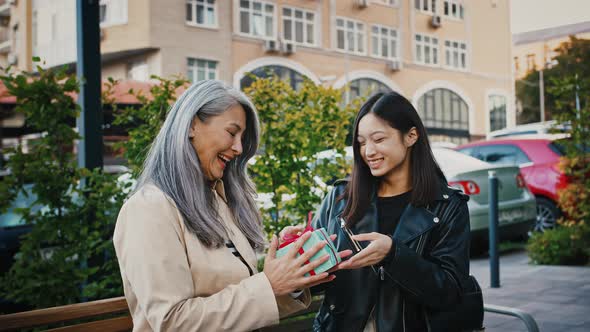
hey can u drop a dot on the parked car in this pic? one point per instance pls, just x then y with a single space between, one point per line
516 203
547 127
538 158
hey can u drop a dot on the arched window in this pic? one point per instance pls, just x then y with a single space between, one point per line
294 78
497 105
364 87
445 113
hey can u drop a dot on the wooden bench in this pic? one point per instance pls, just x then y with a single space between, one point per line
113 315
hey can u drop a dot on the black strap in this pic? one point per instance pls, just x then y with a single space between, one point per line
230 245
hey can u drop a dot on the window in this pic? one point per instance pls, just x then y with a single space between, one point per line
426 49
138 71
530 62
350 36
201 12
364 87
425 5
294 78
444 112
383 42
455 54
470 151
497 105
199 70
257 19
299 26
454 8
112 12
503 154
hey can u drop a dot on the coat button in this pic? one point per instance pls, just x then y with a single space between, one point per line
436 220
332 307
445 196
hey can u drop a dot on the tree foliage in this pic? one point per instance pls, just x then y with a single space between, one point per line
64 258
144 123
573 61
570 243
296 126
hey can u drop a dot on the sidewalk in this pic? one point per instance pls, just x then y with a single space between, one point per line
558 297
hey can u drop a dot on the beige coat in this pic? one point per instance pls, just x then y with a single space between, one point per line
174 283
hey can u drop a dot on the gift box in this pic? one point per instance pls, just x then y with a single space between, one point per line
317 236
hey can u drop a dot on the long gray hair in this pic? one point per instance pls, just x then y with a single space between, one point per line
172 165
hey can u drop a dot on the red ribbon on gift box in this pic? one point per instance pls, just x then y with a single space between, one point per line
290 238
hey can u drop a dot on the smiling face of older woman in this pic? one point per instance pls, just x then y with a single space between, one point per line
218 140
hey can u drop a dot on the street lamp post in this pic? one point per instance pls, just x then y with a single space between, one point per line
542 95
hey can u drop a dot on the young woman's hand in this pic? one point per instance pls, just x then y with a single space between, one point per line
287 274
373 254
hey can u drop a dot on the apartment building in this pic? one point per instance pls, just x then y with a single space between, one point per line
451 58
535 49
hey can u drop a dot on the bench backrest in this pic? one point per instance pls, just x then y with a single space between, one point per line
72 312
118 318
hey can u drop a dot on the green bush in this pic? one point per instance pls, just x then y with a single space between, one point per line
66 258
565 245
568 88
296 126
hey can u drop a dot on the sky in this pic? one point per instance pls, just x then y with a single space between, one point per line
530 15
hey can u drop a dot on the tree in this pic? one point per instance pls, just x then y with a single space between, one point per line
65 257
570 243
296 126
144 123
572 60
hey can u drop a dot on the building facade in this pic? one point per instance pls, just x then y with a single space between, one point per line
534 50
451 58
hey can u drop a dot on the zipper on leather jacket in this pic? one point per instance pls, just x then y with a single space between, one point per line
381 273
420 246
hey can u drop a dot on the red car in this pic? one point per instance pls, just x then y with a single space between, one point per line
538 159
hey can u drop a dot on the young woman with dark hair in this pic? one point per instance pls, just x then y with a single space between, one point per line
411 230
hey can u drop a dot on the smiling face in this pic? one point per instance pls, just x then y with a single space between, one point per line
383 148
218 140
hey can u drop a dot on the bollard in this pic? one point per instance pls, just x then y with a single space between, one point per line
493 230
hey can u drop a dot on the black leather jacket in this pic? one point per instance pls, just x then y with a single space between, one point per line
424 272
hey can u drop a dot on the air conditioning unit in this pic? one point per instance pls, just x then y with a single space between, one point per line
287 48
271 46
394 65
12 59
436 22
362 3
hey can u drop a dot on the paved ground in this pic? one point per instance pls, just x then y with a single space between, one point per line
558 297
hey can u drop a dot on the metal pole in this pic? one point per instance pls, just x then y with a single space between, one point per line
88 70
493 231
542 95
577 99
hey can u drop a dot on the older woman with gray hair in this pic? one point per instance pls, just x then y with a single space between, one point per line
187 237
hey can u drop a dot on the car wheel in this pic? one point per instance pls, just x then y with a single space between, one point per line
547 215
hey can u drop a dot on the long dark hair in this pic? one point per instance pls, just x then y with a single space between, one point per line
426 175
